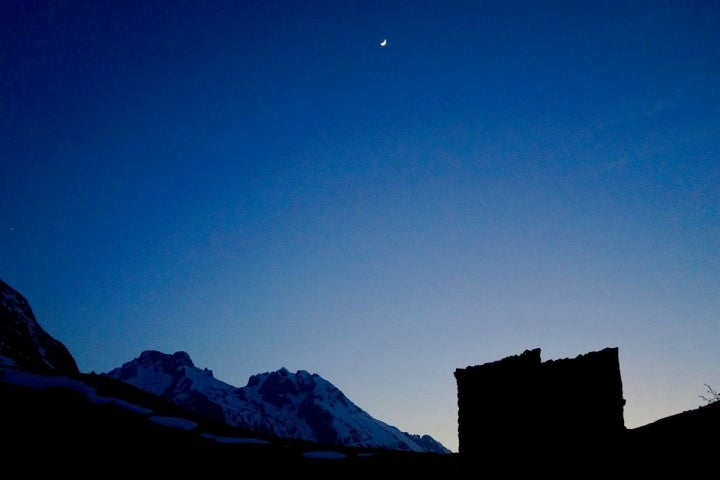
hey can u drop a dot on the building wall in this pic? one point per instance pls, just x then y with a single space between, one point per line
521 405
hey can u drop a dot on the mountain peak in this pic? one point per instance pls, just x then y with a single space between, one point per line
300 405
180 358
24 343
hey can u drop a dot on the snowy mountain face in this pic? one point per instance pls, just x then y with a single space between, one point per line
280 404
24 343
296 405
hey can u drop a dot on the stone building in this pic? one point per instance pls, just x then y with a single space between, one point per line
528 410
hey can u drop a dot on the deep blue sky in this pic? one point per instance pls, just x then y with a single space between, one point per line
262 185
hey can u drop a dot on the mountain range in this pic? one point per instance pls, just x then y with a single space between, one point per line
281 404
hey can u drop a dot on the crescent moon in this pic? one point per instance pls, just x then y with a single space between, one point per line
383 43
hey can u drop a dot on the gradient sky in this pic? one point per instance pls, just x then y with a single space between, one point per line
261 185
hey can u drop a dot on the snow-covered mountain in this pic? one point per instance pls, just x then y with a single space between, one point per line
281 404
296 405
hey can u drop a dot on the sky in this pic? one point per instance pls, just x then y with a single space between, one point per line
262 185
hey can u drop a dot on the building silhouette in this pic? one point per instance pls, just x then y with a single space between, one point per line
521 411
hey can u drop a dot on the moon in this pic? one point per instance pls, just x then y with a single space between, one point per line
383 43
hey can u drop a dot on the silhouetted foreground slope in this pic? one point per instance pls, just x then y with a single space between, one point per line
689 441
